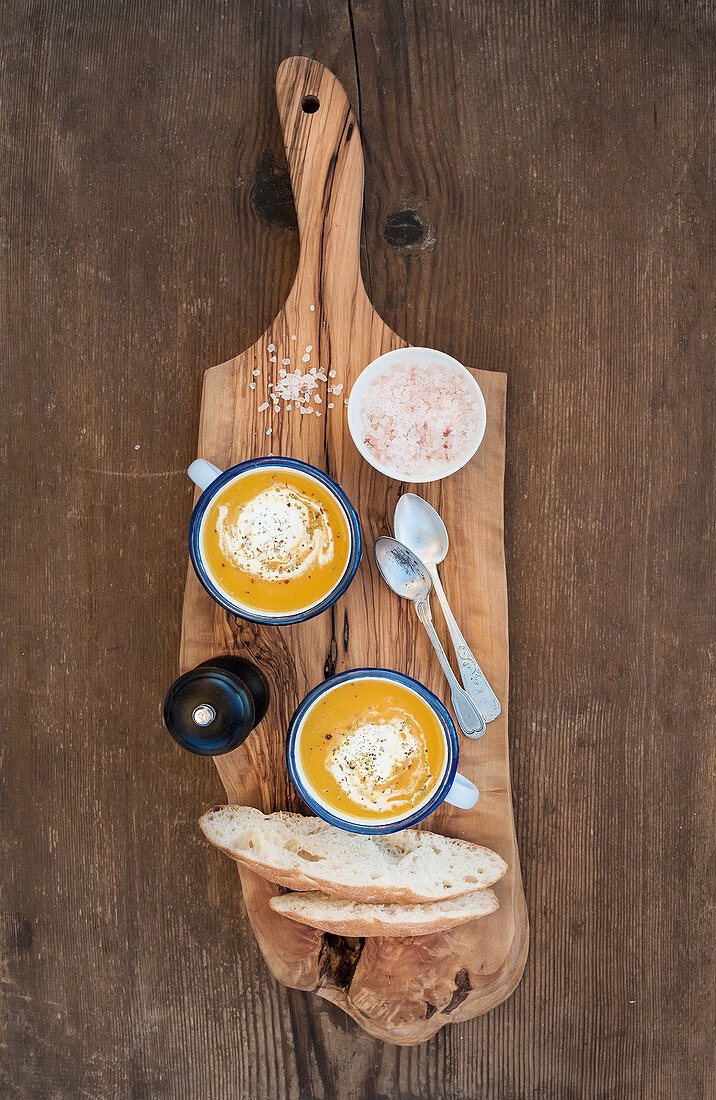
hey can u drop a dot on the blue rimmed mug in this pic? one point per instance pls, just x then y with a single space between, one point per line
211 480
453 788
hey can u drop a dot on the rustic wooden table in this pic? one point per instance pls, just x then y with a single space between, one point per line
536 202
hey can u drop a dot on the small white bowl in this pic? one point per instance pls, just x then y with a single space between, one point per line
427 357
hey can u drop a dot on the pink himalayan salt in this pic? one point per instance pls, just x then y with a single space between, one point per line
416 417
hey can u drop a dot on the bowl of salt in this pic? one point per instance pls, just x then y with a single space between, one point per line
416 415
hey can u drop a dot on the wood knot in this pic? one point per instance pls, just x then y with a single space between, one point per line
18 933
271 194
329 667
409 231
338 959
463 986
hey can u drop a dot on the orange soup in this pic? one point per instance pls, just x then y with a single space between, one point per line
275 541
372 750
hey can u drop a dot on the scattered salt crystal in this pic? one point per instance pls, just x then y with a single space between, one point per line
252 385
271 347
305 358
293 337
312 308
255 372
331 405
309 347
308 409
262 408
282 374
317 398
337 389
268 431
285 362
313 371
273 358
289 406
346 401
294 386
317 412
331 374
322 376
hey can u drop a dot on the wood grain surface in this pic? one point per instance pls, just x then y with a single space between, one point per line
538 202
400 991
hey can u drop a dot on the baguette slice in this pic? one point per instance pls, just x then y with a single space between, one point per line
357 918
306 853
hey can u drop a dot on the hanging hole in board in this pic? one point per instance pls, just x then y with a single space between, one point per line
310 104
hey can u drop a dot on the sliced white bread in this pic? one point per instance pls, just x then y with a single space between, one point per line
306 853
359 918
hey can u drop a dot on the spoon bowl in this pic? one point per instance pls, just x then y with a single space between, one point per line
420 527
401 570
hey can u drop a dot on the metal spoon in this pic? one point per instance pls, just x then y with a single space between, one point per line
408 577
419 526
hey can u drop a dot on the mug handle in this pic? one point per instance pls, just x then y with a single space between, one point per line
203 473
463 794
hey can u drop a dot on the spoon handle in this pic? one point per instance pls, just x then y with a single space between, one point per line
469 718
472 675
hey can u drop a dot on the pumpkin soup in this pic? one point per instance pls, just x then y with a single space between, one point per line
275 541
372 749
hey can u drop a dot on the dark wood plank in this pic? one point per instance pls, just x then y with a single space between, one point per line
537 201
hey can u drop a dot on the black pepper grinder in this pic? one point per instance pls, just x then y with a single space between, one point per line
212 709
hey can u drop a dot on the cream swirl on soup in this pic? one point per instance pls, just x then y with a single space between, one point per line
280 534
379 764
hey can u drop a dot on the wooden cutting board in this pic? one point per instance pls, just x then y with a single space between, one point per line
400 990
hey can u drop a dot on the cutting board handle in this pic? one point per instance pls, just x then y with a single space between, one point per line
325 161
